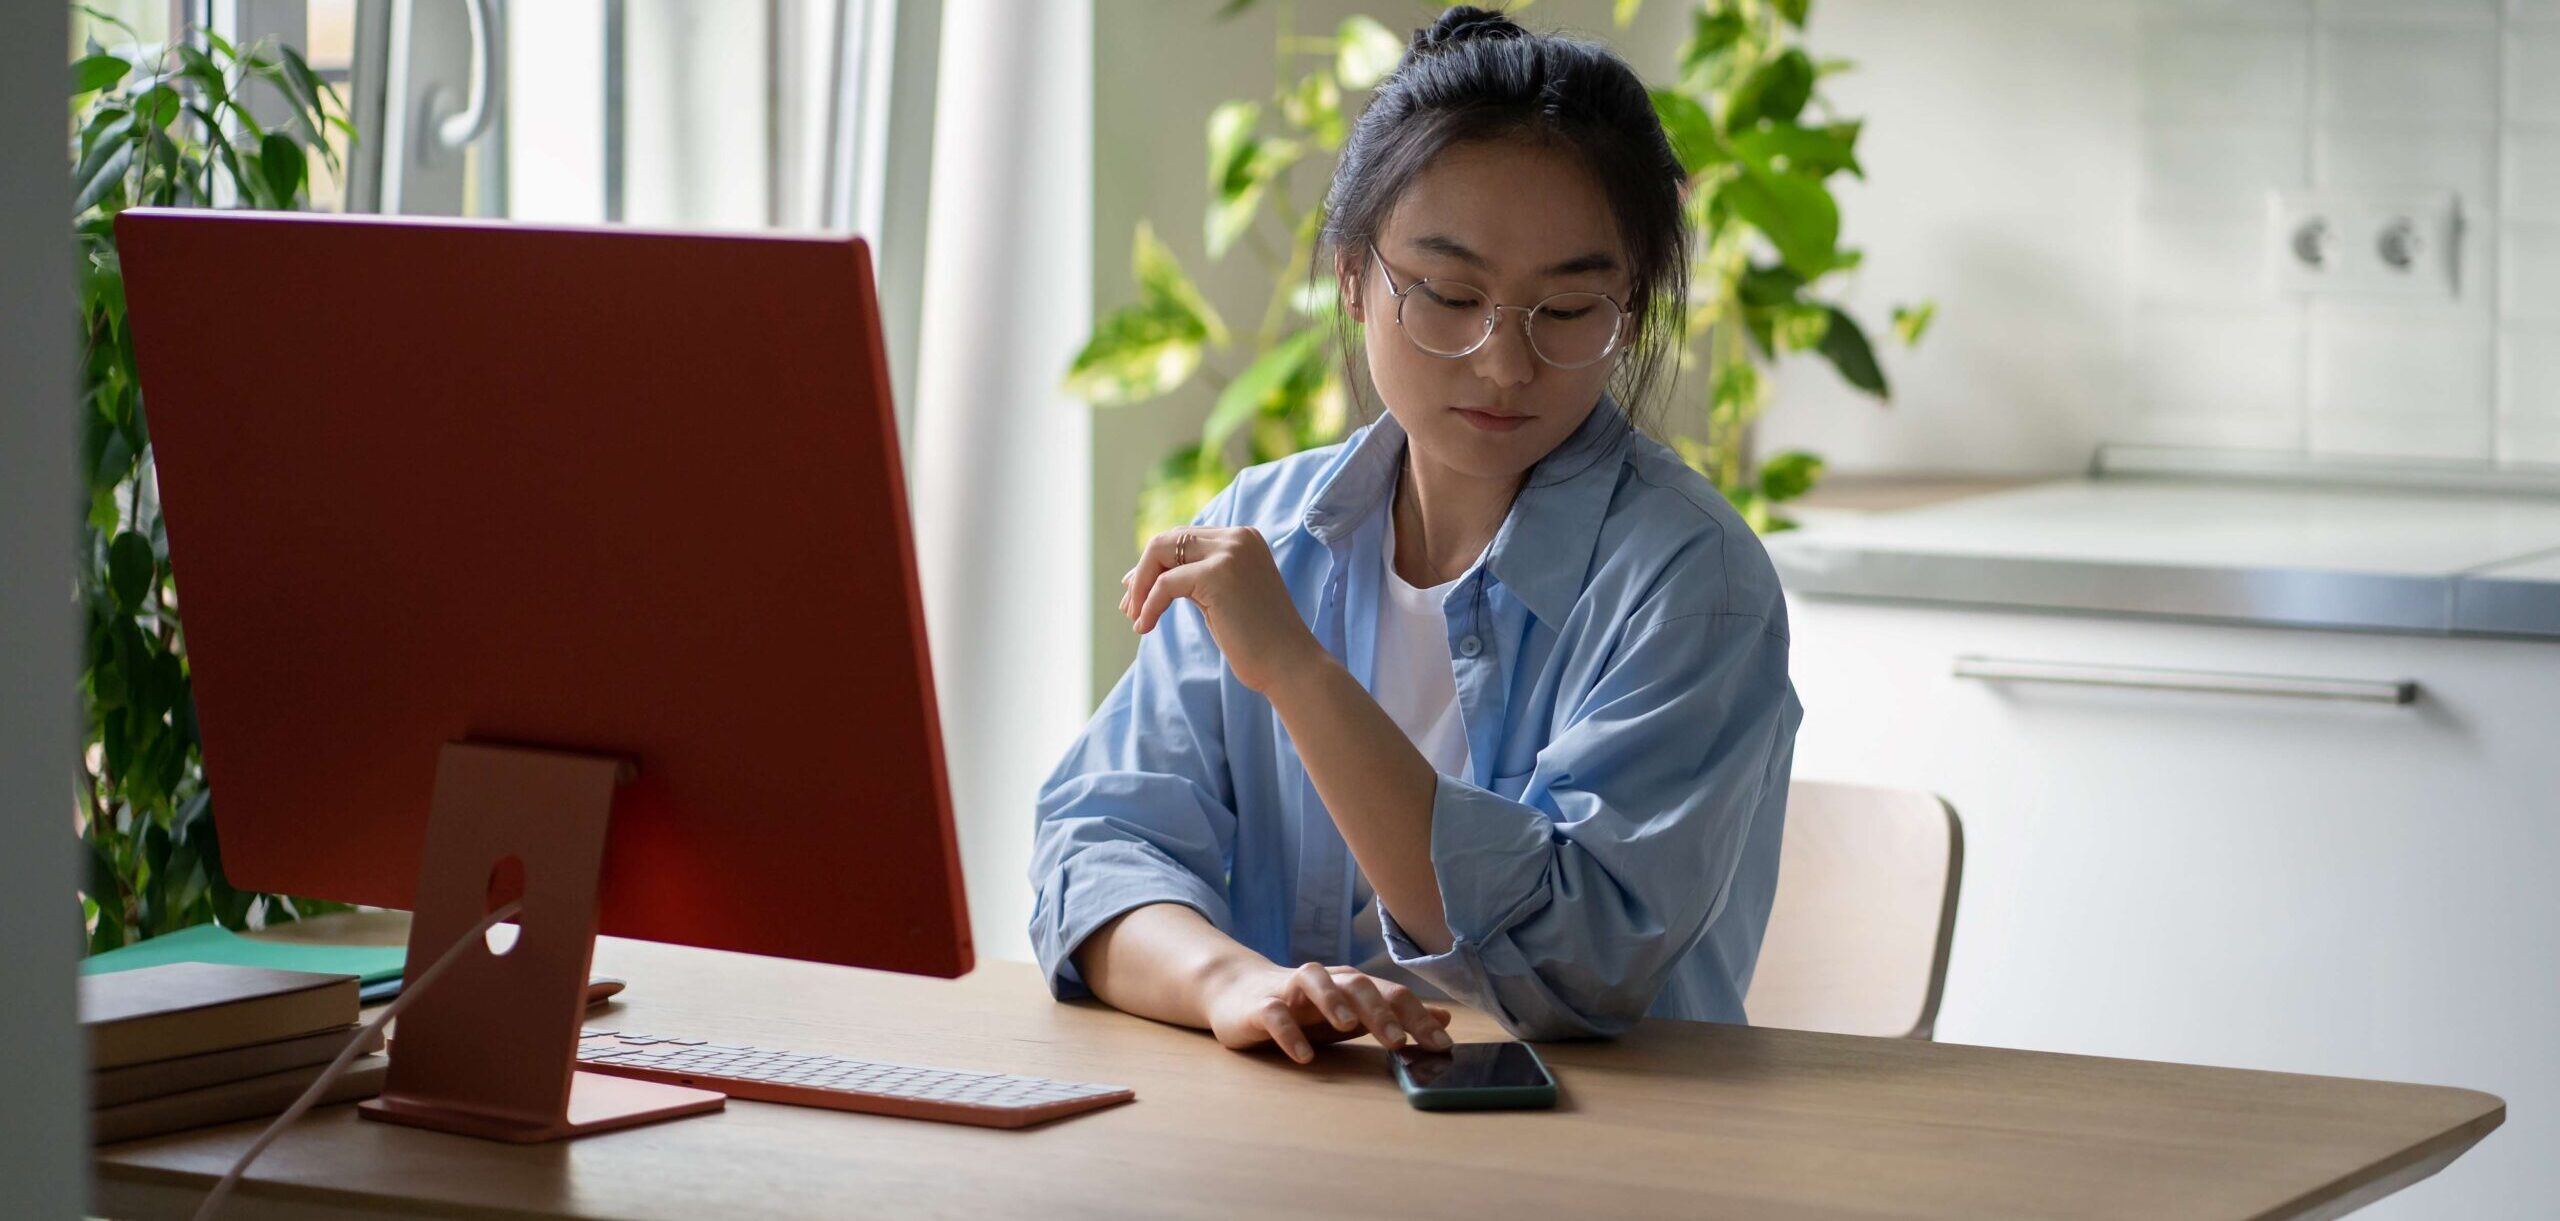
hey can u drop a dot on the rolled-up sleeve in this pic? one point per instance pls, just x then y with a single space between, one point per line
1569 907
1141 809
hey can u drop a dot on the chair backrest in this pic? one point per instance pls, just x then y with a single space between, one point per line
1865 912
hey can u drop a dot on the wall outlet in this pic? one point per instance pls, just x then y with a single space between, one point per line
2402 244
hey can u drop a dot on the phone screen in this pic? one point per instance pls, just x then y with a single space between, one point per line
1470 1066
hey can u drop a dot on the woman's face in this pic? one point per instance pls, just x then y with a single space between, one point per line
1521 222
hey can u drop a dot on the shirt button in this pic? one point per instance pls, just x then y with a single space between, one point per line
1470 646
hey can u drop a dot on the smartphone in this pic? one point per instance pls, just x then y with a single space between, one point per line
1474 1077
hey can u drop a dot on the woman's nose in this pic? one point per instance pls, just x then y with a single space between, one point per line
1507 359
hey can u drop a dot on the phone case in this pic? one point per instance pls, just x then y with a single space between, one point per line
1481 1098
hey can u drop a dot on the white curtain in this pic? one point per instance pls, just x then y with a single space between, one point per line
1000 459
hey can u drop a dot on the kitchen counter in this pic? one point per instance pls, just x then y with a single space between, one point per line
2428 561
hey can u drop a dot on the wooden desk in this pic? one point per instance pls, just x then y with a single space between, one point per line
1678 1119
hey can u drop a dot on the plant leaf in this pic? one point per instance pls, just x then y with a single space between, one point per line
1160 276
104 180
1244 396
1787 148
1777 89
1762 284
1910 322
1230 142
104 140
131 568
91 73
1241 166
306 88
195 65
100 881
1136 353
1315 107
1691 129
281 161
1794 212
158 105
1796 327
1230 139
1231 216
1147 349
107 19
1794 12
1847 348
1365 52
1625 12
1712 33
1789 475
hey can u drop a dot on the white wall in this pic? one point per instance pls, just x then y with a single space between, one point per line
43 1144
997 448
2385 96
2086 189
2000 183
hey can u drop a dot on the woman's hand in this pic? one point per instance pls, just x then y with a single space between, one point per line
1319 1004
1229 574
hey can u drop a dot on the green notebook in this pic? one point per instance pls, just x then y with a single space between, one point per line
214 943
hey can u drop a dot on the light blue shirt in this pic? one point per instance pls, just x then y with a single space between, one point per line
1621 661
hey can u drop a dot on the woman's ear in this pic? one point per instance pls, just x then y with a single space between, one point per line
1346 287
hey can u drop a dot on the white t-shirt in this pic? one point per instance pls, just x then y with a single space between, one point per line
1417 683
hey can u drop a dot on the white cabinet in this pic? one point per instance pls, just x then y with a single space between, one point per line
2357 889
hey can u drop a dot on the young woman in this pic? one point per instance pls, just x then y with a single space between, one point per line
1488 701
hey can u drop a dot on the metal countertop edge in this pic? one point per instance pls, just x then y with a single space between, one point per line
2451 605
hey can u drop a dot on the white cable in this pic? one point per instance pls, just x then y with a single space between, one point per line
408 992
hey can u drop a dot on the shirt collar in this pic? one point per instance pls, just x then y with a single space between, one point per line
1543 549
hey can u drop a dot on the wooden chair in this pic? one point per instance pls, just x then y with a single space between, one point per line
1865 912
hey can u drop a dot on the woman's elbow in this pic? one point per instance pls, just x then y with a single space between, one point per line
1571 1005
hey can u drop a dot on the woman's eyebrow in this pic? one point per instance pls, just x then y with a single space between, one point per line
1443 244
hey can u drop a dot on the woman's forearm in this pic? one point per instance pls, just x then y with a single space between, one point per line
1378 787
1162 961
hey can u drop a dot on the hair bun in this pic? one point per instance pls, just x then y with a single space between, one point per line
1465 23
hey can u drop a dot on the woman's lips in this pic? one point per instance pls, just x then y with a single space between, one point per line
1490 421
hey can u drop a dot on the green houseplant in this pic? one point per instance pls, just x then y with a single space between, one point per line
1741 117
168 127
1747 121
1286 396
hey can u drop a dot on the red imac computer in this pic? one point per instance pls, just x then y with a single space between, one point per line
563 565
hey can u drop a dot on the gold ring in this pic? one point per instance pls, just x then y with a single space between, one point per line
1181 544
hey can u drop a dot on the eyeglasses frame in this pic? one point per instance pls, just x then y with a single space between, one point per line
1493 317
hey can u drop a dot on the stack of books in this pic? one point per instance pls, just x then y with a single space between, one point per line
196 1043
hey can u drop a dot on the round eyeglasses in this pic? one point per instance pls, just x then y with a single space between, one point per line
1449 319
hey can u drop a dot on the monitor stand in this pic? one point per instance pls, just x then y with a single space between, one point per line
490 1048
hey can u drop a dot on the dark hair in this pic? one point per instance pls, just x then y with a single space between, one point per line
1476 75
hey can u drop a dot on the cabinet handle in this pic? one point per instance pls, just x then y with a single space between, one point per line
2353 690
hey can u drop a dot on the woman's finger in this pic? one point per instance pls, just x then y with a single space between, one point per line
1285 1034
1379 1016
1153 558
1177 583
1189 544
1317 985
1415 1016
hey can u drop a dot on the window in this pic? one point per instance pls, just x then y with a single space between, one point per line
696 114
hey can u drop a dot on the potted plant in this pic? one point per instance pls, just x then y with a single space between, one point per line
165 126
